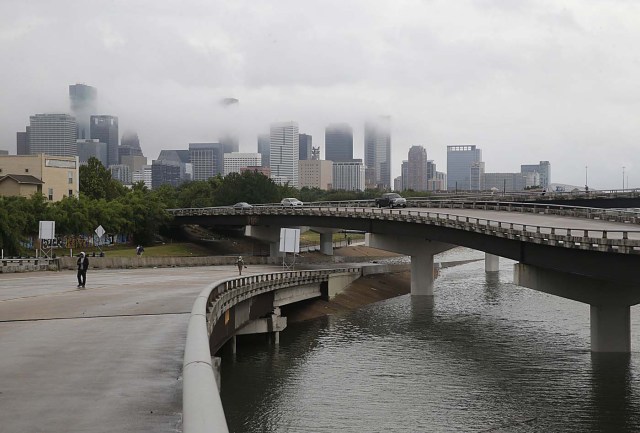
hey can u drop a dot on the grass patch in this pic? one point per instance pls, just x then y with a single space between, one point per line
177 249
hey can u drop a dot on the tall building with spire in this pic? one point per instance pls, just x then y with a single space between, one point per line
83 100
377 152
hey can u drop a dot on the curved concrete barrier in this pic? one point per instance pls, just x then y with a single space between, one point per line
202 407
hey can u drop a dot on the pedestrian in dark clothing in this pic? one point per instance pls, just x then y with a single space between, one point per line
240 264
83 265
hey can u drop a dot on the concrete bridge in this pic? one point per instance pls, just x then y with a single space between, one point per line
588 255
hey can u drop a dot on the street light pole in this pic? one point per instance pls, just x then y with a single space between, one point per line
623 178
586 182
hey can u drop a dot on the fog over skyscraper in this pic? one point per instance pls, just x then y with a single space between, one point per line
83 100
338 142
377 152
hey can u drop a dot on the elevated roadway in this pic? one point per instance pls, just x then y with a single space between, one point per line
588 255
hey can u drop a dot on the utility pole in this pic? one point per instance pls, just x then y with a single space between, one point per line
623 178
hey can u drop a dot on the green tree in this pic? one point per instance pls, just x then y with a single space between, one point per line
96 182
250 186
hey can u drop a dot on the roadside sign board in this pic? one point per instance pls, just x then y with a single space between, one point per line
47 230
100 231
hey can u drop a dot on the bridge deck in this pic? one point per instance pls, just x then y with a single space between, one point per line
107 358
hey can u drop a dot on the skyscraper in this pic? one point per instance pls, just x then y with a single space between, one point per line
264 149
105 129
417 169
305 147
284 153
129 145
459 161
338 142
83 100
543 169
22 142
207 160
377 152
52 134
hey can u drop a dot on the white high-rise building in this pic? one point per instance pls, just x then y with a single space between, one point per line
234 161
349 175
207 160
121 173
53 134
284 152
142 175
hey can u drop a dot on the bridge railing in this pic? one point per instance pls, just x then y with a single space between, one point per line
621 241
202 407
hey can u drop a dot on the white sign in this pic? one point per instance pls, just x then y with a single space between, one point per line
99 231
289 240
47 230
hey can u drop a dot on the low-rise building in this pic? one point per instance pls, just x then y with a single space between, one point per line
315 173
59 175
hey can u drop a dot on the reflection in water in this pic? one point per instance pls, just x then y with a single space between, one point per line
481 355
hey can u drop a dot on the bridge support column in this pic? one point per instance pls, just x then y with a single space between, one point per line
422 275
326 243
421 252
611 328
266 234
609 301
491 263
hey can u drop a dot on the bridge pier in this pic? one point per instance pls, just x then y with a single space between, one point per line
491 263
610 302
326 243
269 234
421 252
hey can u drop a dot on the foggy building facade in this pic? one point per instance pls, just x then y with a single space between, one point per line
52 134
377 152
338 142
83 101
105 129
264 149
284 152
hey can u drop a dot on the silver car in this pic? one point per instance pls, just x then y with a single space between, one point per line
291 201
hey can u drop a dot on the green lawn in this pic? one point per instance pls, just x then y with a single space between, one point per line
177 249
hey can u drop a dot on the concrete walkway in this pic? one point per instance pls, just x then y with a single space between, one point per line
104 359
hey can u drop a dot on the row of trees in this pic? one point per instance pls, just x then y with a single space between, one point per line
139 212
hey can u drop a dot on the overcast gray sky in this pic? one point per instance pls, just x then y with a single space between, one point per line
524 80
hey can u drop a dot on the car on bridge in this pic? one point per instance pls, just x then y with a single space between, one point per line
391 199
290 201
242 205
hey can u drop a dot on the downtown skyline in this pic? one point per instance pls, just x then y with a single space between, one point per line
525 82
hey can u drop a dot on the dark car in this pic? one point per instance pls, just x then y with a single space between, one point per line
242 205
391 199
